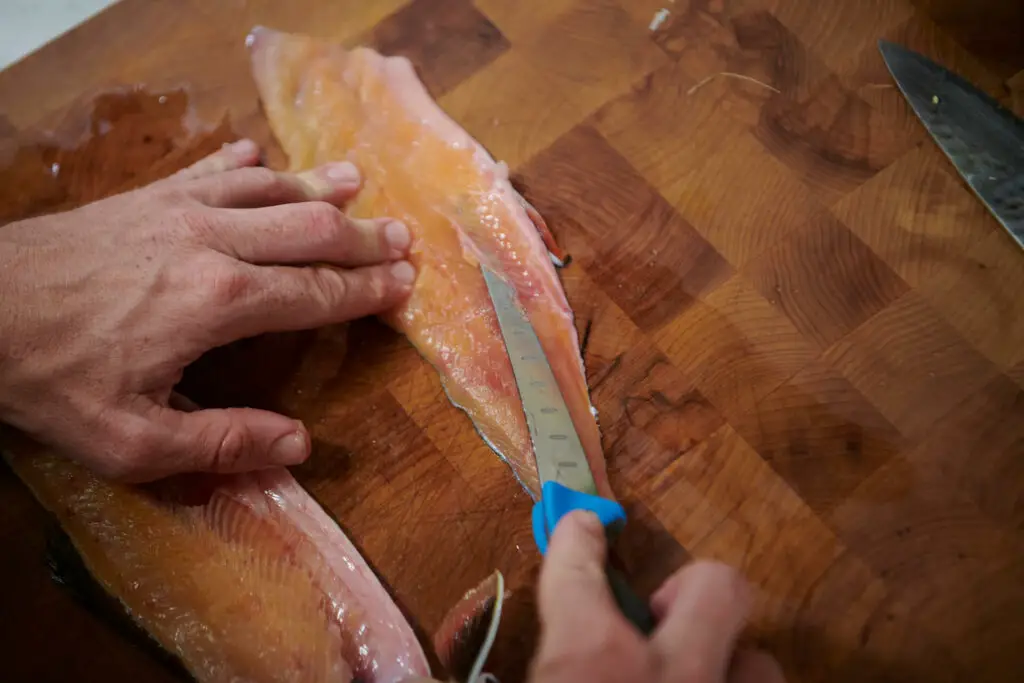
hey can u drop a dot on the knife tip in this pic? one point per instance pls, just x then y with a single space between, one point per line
886 46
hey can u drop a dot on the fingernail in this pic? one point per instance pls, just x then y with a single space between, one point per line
403 272
343 173
243 147
290 449
397 237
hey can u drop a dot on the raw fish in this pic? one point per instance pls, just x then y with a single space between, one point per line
242 577
326 103
467 632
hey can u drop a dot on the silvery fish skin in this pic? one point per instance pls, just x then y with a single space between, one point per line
326 103
466 634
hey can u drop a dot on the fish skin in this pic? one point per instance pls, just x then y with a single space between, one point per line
463 641
241 577
325 103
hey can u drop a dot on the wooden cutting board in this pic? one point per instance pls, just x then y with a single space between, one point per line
804 336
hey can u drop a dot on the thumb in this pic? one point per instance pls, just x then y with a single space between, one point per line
234 439
573 589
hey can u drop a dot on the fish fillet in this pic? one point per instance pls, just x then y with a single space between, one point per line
326 103
242 577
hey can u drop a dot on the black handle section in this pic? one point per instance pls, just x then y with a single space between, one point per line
632 605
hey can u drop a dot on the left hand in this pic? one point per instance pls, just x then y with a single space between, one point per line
102 308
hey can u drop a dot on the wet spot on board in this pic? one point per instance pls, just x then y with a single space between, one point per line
94 151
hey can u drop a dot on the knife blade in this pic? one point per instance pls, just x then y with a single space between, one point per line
983 140
567 482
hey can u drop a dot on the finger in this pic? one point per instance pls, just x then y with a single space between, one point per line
258 187
310 232
584 636
229 157
701 624
749 666
179 401
145 440
232 440
573 593
285 298
663 598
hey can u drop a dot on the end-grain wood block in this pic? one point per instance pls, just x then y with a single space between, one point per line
801 331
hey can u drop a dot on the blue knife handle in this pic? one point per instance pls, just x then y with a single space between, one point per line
557 501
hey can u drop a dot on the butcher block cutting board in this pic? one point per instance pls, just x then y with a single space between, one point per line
804 336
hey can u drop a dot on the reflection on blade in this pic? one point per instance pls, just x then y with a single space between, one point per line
560 455
984 140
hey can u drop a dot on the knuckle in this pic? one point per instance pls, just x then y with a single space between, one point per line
373 289
260 177
325 216
331 289
264 176
223 286
172 193
324 219
226 444
196 222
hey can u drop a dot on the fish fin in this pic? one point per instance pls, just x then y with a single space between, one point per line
69 571
559 256
469 630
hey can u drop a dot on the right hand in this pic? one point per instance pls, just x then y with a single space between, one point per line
103 307
585 639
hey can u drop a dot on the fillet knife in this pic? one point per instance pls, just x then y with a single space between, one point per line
567 482
983 139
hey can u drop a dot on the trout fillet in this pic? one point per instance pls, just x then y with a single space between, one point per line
242 577
326 103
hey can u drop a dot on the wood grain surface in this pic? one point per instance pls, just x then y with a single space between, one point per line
804 335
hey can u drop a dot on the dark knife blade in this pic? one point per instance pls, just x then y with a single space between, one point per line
983 139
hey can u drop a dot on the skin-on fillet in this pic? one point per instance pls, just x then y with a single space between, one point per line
325 103
242 577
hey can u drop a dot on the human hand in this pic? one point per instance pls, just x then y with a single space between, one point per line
104 306
584 638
